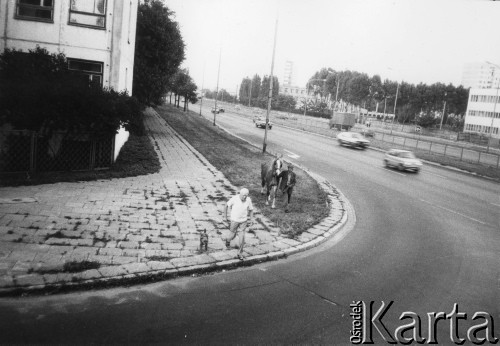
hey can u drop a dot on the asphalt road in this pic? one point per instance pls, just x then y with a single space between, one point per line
426 241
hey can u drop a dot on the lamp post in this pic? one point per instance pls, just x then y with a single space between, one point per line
444 108
202 83
395 103
494 108
217 91
264 145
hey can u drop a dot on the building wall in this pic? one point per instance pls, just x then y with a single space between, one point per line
483 108
112 44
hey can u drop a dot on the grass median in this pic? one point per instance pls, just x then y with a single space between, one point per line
240 163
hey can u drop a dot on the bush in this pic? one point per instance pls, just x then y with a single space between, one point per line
39 93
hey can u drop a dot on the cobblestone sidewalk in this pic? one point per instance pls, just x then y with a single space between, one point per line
90 233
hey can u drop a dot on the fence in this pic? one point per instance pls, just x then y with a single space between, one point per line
26 151
457 152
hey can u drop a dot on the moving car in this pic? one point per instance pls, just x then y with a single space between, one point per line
353 139
217 110
403 160
261 122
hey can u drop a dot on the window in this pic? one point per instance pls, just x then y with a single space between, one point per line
91 70
40 10
89 13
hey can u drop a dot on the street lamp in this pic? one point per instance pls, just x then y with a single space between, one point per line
494 108
217 91
444 108
395 103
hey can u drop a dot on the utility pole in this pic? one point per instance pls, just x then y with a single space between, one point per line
217 91
250 92
270 88
202 83
395 103
444 108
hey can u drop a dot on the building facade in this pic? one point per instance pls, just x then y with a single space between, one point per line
289 74
97 36
480 75
483 112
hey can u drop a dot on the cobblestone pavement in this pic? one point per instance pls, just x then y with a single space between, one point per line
112 231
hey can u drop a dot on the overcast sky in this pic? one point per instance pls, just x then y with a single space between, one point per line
415 41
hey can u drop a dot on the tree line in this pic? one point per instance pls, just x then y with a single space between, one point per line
417 103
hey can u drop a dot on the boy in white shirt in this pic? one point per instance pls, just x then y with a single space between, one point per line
240 206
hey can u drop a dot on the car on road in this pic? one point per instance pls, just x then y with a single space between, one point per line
404 160
218 110
353 140
261 122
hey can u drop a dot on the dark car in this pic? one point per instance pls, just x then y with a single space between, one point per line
261 122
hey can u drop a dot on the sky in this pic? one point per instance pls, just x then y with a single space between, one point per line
416 41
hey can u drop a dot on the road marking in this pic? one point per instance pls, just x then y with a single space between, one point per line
496 205
437 175
390 170
457 213
292 155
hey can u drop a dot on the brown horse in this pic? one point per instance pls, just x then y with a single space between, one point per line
269 175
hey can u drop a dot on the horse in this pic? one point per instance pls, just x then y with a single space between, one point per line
268 174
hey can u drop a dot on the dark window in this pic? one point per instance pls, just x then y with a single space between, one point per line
90 13
91 70
41 10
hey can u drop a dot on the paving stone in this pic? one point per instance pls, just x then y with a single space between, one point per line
29 280
110 271
6 281
157 265
134 268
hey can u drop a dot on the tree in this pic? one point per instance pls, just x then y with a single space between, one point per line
183 86
39 93
159 51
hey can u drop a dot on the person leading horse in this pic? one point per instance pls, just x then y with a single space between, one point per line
269 176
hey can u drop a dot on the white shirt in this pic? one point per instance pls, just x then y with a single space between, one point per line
239 209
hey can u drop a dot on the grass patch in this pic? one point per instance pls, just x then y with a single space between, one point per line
240 163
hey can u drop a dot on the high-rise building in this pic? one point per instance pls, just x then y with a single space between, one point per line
288 77
480 75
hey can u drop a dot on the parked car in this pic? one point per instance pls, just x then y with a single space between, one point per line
261 122
353 139
403 160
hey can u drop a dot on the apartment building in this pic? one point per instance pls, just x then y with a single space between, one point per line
96 36
483 112
480 75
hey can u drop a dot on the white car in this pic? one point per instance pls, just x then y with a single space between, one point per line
261 122
403 160
353 139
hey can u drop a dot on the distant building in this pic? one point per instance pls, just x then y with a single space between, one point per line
97 37
480 75
483 112
289 74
